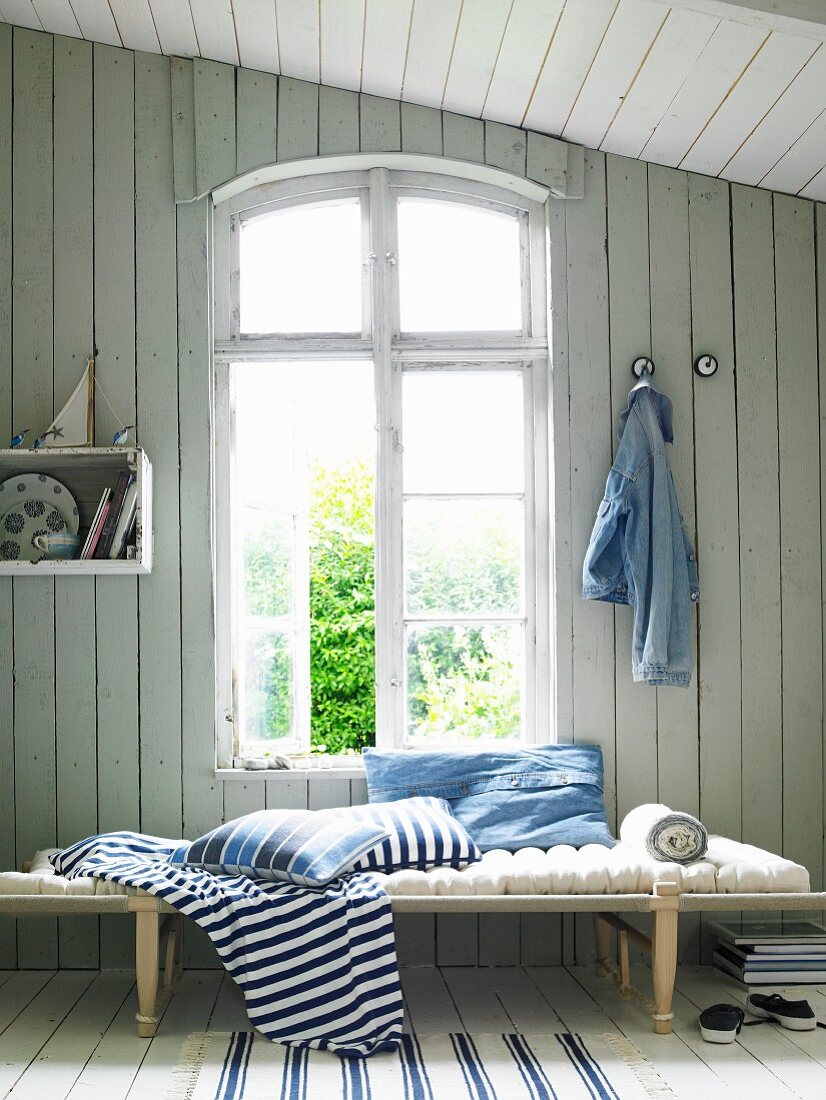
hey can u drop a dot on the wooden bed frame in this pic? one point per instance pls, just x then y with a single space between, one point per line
158 928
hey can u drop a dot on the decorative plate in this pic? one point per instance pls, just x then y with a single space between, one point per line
33 504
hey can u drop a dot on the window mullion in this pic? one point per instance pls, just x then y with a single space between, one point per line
389 622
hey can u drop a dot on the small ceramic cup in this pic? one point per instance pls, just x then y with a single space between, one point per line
61 545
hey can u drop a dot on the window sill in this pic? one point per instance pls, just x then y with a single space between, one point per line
330 767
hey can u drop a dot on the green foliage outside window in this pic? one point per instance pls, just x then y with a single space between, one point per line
462 681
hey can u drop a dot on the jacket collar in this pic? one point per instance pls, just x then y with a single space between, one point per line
657 402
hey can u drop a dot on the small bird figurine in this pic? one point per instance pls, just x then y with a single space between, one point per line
41 439
18 439
122 435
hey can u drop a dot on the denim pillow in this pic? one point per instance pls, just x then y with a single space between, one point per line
511 799
307 847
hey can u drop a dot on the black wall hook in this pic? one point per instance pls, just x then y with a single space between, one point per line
642 365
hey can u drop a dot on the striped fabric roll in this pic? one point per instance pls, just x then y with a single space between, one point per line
421 833
309 848
116 845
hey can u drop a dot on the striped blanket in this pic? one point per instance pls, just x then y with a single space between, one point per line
317 966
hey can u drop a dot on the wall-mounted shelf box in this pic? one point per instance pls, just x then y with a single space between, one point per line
86 472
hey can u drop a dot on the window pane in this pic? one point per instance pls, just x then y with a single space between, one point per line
301 269
303 501
268 696
463 556
464 682
463 432
459 268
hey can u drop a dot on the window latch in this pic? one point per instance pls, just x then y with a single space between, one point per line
390 257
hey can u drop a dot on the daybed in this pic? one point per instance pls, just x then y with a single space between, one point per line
602 881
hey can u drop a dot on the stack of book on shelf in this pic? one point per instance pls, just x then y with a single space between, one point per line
114 521
791 952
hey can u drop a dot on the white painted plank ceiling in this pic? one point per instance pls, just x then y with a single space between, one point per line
725 87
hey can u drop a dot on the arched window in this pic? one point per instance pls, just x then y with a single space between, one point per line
381 465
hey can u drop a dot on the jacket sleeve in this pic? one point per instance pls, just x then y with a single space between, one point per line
653 524
603 571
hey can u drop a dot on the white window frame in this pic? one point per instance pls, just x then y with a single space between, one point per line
392 353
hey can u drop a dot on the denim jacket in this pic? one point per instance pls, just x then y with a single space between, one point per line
639 552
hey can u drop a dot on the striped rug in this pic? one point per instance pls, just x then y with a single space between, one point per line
244 1066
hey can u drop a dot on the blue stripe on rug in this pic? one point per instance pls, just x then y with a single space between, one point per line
414 1073
294 1079
355 1084
476 1079
234 1071
597 1067
581 1061
537 1084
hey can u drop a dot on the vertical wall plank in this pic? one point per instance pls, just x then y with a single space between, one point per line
244 797
677 709
8 853
718 549
157 397
286 794
75 656
214 91
202 795
255 123
820 237
118 655
34 687
591 456
338 121
327 791
380 124
457 939
630 305
183 128
799 429
421 129
759 492
297 119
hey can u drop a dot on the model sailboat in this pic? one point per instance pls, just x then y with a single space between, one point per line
74 425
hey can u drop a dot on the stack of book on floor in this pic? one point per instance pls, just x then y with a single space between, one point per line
791 952
114 520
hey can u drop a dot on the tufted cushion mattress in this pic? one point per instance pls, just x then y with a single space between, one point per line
728 868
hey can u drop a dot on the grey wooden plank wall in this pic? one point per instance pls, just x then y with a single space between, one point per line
105 686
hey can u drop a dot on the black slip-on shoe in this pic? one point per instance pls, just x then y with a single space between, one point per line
795 1015
721 1023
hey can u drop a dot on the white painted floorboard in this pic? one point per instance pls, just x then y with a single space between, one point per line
70 1035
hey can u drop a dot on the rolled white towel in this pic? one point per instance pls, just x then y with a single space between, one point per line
667 836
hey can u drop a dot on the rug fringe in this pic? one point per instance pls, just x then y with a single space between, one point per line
184 1077
639 1065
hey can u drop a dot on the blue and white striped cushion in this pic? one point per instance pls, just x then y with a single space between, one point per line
309 848
422 832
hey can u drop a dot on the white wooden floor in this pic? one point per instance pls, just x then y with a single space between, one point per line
72 1033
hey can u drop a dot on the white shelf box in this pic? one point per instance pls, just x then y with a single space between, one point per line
86 472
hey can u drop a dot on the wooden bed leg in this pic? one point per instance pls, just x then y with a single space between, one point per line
172 954
624 963
666 905
602 939
147 951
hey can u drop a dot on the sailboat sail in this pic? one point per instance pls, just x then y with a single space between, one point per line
74 425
